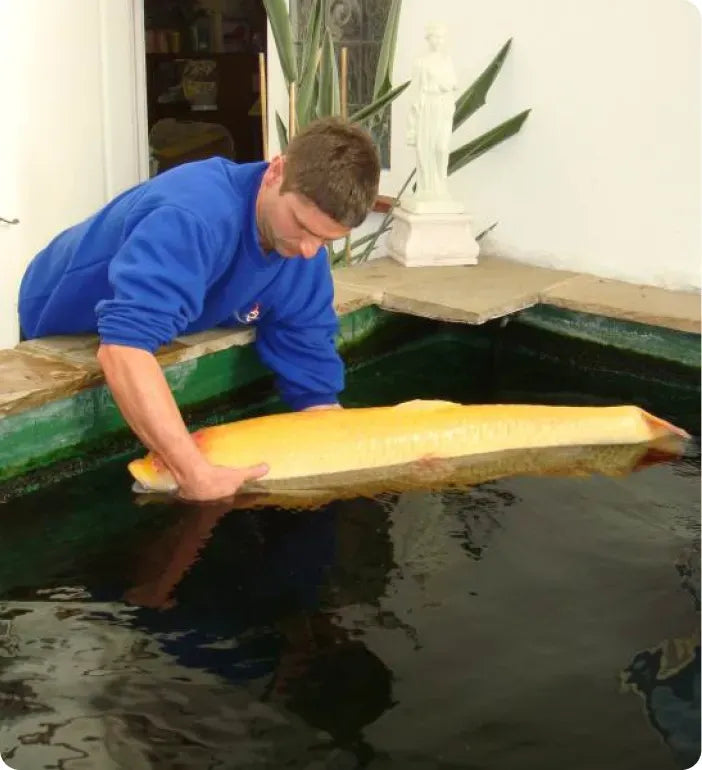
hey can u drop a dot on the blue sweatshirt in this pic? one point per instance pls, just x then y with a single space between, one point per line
177 254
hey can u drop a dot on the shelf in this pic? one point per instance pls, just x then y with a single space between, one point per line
236 76
202 55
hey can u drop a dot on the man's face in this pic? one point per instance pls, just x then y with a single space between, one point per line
290 223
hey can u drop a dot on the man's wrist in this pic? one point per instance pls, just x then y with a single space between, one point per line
188 470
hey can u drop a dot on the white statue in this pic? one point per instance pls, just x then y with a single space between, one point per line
431 228
431 125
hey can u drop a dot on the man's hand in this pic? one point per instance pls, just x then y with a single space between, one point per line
214 482
140 389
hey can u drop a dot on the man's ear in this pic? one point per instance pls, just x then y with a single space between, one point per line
275 170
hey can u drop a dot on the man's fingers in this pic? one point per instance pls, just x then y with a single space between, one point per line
256 471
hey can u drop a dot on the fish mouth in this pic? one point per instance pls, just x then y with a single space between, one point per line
147 482
140 489
153 489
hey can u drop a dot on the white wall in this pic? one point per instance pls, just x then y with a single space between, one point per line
604 177
73 124
9 175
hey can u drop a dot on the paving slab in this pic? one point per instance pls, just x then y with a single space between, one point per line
76 349
41 370
632 302
212 341
28 380
80 350
347 299
472 294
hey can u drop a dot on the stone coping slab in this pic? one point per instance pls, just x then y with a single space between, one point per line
347 299
49 368
496 287
629 302
30 380
38 371
80 349
470 294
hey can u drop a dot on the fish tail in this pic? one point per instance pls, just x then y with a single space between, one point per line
659 427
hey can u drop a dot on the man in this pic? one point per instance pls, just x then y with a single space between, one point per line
206 244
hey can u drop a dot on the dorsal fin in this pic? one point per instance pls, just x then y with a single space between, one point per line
425 404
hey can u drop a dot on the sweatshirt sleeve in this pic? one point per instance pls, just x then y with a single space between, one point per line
299 345
159 278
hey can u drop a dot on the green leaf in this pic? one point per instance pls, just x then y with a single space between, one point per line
371 109
383 71
475 148
308 93
311 110
277 11
328 99
486 231
311 52
340 256
474 96
361 241
282 132
313 38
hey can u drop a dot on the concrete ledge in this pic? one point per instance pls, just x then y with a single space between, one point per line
497 287
54 409
347 299
630 302
50 368
38 372
42 370
28 380
472 294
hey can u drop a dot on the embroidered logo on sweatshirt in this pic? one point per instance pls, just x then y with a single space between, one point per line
251 316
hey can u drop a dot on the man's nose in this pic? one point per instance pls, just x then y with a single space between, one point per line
310 246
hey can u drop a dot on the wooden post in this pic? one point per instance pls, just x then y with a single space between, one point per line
264 102
292 117
344 82
344 75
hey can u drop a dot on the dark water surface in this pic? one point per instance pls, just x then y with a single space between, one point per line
529 622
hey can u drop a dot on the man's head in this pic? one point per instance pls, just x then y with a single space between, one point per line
324 185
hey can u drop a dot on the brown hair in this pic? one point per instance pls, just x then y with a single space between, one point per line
334 164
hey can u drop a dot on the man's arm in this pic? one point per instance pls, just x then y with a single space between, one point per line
142 394
159 278
298 341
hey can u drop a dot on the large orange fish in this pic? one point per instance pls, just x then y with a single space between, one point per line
315 448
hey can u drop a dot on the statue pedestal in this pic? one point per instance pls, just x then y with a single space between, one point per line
414 205
421 240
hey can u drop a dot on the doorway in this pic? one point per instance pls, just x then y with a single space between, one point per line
202 82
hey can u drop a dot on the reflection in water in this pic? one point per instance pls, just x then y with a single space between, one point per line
672 698
481 624
667 677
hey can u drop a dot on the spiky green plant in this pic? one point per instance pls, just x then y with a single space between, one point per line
316 75
316 79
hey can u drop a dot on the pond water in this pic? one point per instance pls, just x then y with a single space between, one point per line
530 621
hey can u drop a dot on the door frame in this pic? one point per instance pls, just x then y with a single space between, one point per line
124 105
140 95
